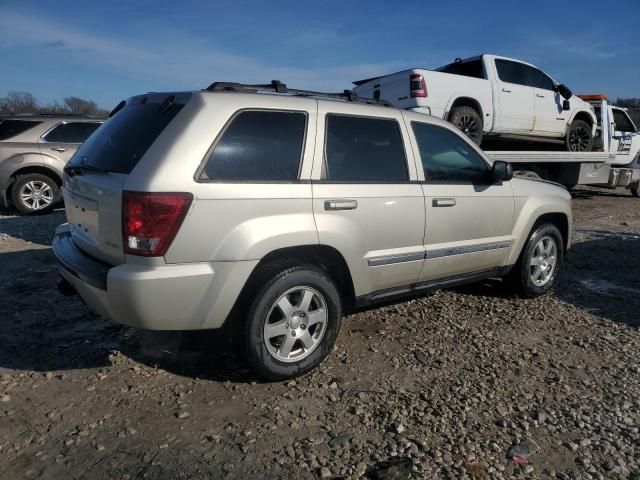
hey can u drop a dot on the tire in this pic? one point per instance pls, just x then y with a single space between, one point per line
635 190
278 351
34 193
579 137
523 275
468 121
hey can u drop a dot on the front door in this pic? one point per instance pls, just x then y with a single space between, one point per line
367 202
515 97
549 115
469 217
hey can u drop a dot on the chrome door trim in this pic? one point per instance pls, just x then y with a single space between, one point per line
447 252
396 258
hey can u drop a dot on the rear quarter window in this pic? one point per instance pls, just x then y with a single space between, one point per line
11 128
123 139
258 145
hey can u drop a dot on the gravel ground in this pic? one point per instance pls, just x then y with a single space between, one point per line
466 383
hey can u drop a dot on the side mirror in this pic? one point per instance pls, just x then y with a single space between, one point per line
566 105
501 171
564 91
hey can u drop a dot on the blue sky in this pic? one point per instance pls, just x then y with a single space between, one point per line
109 50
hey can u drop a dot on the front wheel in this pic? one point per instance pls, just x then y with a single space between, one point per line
468 121
34 193
292 322
579 137
539 262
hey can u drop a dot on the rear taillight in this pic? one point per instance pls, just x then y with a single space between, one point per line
150 221
417 85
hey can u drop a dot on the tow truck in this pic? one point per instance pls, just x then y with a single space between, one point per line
614 162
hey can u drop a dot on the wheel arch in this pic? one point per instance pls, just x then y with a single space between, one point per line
466 102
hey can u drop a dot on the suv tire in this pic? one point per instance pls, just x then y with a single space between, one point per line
468 121
579 137
34 193
277 338
539 262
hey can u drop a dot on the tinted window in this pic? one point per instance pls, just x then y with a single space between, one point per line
72 132
124 138
623 124
512 72
471 68
11 128
538 79
447 158
259 145
363 149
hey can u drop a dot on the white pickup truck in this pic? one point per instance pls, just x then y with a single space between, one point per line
490 95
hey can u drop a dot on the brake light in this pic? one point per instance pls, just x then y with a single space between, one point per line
150 221
417 86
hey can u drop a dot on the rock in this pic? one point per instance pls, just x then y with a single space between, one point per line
395 468
182 415
524 449
325 472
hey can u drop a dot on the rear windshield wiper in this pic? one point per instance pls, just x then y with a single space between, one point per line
73 170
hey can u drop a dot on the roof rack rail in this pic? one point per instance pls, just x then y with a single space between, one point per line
277 86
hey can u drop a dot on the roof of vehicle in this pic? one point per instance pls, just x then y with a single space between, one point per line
52 116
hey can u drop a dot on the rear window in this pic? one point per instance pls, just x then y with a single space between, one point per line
123 139
361 149
11 128
72 132
471 68
258 145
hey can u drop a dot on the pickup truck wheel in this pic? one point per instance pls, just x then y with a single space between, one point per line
468 121
579 137
635 190
540 261
34 193
292 323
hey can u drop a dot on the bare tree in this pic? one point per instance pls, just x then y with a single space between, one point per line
18 102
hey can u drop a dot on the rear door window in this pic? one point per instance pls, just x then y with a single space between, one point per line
126 136
258 145
446 157
11 128
364 149
511 72
71 132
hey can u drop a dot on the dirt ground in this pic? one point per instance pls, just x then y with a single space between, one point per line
439 387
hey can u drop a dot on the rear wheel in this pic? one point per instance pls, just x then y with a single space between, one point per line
539 263
635 190
579 137
292 322
468 121
34 193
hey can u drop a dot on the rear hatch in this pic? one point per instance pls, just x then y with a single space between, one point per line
95 177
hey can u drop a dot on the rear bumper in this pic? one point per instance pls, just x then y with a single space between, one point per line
156 297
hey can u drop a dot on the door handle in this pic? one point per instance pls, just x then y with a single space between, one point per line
59 149
506 91
340 204
444 202
539 96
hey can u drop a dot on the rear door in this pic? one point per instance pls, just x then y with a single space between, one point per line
367 202
515 97
469 218
95 177
549 115
62 141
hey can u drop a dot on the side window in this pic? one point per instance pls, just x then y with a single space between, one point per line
362 149
11 128
259 145
511 72
538 79
72 132
623 123
447 158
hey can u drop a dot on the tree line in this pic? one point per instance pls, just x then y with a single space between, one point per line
15 103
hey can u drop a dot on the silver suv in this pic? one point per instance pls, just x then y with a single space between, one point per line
33 152
273 213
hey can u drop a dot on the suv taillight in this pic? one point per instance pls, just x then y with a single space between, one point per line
150 221
417 85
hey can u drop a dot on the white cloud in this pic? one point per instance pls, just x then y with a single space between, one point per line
172 61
